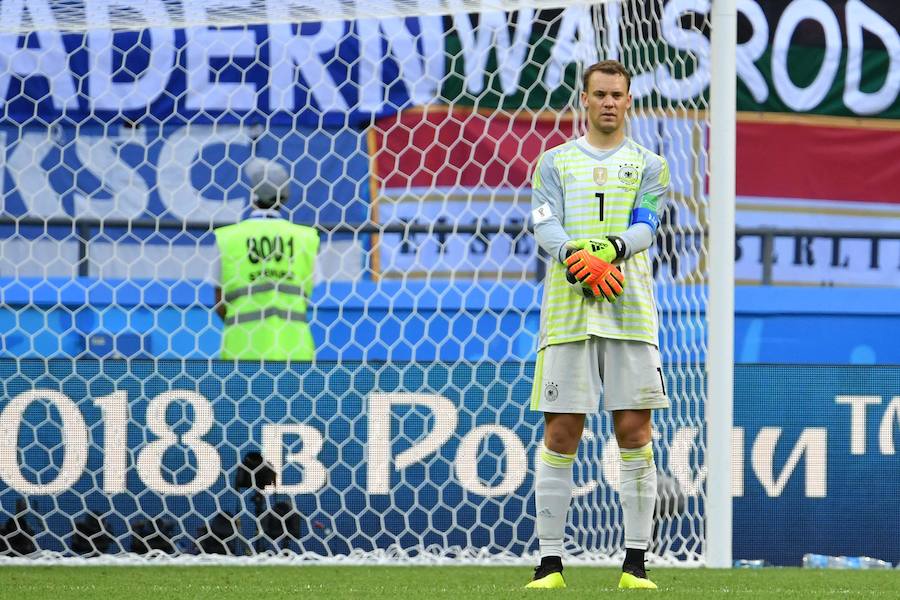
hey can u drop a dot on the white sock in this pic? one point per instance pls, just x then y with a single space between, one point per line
637 492
552 496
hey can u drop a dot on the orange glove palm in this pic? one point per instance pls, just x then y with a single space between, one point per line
600 277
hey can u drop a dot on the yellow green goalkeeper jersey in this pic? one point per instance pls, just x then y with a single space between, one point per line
579 192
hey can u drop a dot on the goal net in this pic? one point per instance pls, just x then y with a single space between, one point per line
409 130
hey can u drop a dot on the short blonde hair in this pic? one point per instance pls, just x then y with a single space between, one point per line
610 67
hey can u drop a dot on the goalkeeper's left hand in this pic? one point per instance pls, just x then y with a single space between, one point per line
610 248
592 266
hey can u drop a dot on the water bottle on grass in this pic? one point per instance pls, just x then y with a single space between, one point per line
821 561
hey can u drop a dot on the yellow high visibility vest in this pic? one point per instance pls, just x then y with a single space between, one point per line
267 279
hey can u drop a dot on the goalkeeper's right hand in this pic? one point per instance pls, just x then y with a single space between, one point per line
596 276
576 285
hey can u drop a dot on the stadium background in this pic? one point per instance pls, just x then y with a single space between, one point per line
831 168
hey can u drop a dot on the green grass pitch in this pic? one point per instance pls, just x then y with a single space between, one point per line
423 583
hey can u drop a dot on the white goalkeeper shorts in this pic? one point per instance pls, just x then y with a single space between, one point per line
586 376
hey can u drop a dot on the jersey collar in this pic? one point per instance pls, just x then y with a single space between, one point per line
597 153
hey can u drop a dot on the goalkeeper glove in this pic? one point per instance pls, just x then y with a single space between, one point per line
609 249
592 266
588 293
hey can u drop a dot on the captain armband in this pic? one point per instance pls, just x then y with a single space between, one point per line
646 216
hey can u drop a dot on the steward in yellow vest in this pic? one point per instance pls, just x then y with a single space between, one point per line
266 276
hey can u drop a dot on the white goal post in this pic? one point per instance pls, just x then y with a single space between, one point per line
409 129
720 366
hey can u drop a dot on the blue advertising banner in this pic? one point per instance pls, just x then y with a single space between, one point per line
407 455
372 455
189 173
334 73
819 462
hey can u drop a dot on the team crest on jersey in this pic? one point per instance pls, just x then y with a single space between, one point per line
629 174
600 175
551 392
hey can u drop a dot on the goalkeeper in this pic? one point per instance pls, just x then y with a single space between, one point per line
595 207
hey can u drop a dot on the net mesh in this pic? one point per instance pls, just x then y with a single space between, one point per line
81 15
409 130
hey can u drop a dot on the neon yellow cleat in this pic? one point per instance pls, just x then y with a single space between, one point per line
552 581
631 582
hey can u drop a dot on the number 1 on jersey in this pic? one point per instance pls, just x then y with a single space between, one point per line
599 196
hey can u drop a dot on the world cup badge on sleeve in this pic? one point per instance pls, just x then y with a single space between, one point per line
599 175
